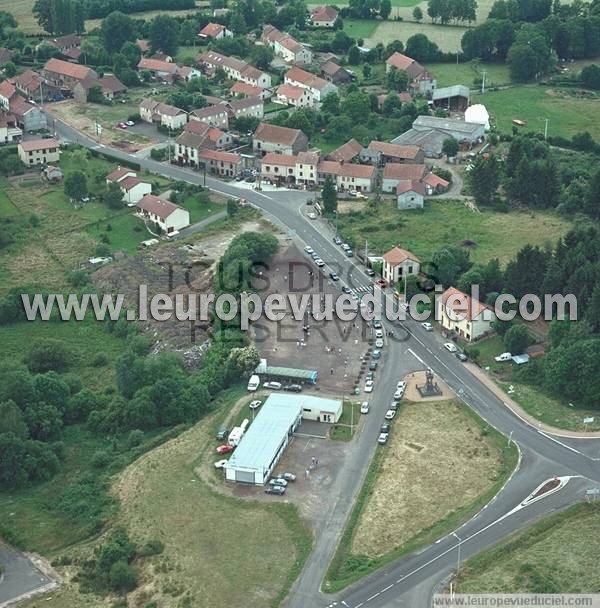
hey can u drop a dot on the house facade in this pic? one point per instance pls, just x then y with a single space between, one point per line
9 131
253 107
272 138
156 112
133 188
286 47
318 87
398 264
298 97
464 315
324 16
217 162
394 173
410 195
39 151
64 75
215 116
214 31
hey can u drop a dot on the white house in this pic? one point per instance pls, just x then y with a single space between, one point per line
169 116
9 132
215 116
323 16
39 151
171 218
468 317
286 47
317 86
234 68
298 97
399 263
214 31
131 186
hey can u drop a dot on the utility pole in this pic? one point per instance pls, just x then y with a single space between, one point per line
458 546
169 143
545 128
483 82
509 439
366 251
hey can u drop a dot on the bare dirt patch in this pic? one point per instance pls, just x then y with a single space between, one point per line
418 379
437 460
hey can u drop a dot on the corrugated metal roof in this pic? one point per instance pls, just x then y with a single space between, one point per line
457 90
265 435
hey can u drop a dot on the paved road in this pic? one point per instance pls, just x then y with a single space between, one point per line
409 581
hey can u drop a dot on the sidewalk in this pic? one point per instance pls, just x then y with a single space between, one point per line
521 413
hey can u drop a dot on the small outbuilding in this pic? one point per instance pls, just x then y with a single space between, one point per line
454 98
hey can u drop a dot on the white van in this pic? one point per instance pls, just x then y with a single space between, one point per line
253 383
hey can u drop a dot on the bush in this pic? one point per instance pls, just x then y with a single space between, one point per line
122 577
100 360
48 355
152 547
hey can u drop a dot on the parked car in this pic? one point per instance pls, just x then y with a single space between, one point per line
373 365
277 490
381 283
401 385
369 376
293 388
311 216
337 240
309 249
370 272
427 326
319 262
377 324
385 427
345 246
222 433
225 449
364 407
288 476
220 463
272 385
379 343
449 346
389 415
254 405
383 437
369 384
393 405
278 481
315 256
399 393
349 253
379 333
376 354
503 357
333 276
462 357
346 289
129 123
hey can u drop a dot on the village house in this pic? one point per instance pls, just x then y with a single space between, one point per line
434 184
198 136
419 78
39 151
217 162
214 31
30 85
165 70
394 173
335 73
131 186
63 76
323 16
243 89
348 176
410 194
215 138
235 69
399 263
286 47
187 73
298 97
7 92
52 174
382 152
215 116
110 87
156 112
467 317
167 216
346 152
29 117
278 168
272 138
317 86
252 107
68 46
9 131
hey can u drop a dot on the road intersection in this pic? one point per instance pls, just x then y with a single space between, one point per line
410 580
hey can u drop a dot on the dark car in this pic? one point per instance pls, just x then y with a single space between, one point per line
278 490
385 428
370 272
293 388
376 324
461 356
373 365
337 240
346 289
222 434
333 276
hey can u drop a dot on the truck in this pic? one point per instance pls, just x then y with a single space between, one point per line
253 383
237 432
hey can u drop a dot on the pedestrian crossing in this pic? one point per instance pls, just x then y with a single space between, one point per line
360 289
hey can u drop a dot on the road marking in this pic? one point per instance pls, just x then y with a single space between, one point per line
373 596
414 354
387 588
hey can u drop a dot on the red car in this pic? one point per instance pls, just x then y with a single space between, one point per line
381 283
121 125
225 449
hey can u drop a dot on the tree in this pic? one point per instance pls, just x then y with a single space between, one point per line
450 147
48 355
116 30
329 196
385 9
417 14
331 103
591 203
484 179
420 48
122 577
261 56
397 80
590 76
341 42
10 69
354 56
11 419
75 185
113 197
94 95
366 70
357 106
232 207
163 34
517 339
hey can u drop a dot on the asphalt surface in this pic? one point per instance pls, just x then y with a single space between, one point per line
410 580
20 576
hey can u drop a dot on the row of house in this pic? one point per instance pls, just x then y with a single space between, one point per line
456 311
19 112
236 69
285 46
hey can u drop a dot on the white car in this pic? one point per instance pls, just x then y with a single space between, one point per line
319 262
311 216
399 393
449 346
503 357
364 407
278 481
254 405
220 464
129 123
389 415
427 326
379 333
379 343
309 249
383 437
273 385
369 384
401 386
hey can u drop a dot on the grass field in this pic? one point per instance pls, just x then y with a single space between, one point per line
448 74
554 555
207 535
449 223
567 115
348 422
447 37
441 465
360 28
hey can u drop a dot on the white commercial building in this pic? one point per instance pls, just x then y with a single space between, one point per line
264 442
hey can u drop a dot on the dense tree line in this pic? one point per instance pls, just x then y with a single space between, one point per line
97 9
445 11
59 17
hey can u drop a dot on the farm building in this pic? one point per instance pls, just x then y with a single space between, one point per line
450 127
264 442
455 98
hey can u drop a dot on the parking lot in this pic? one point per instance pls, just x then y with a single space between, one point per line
337 350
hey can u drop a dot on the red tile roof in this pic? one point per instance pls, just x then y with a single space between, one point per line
276 134
118 174
306 78
211 30
39 144
289 91
357 171
400 61
435 181
245 89
403 172
129 182
395 150
271 158
397 255
412 185
324 13
157 65
65 68
218 155
197 127
7 89
346 152
461 304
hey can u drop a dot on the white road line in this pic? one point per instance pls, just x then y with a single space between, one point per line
373 596
387 588
414 354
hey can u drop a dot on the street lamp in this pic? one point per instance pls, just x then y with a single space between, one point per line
458 547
